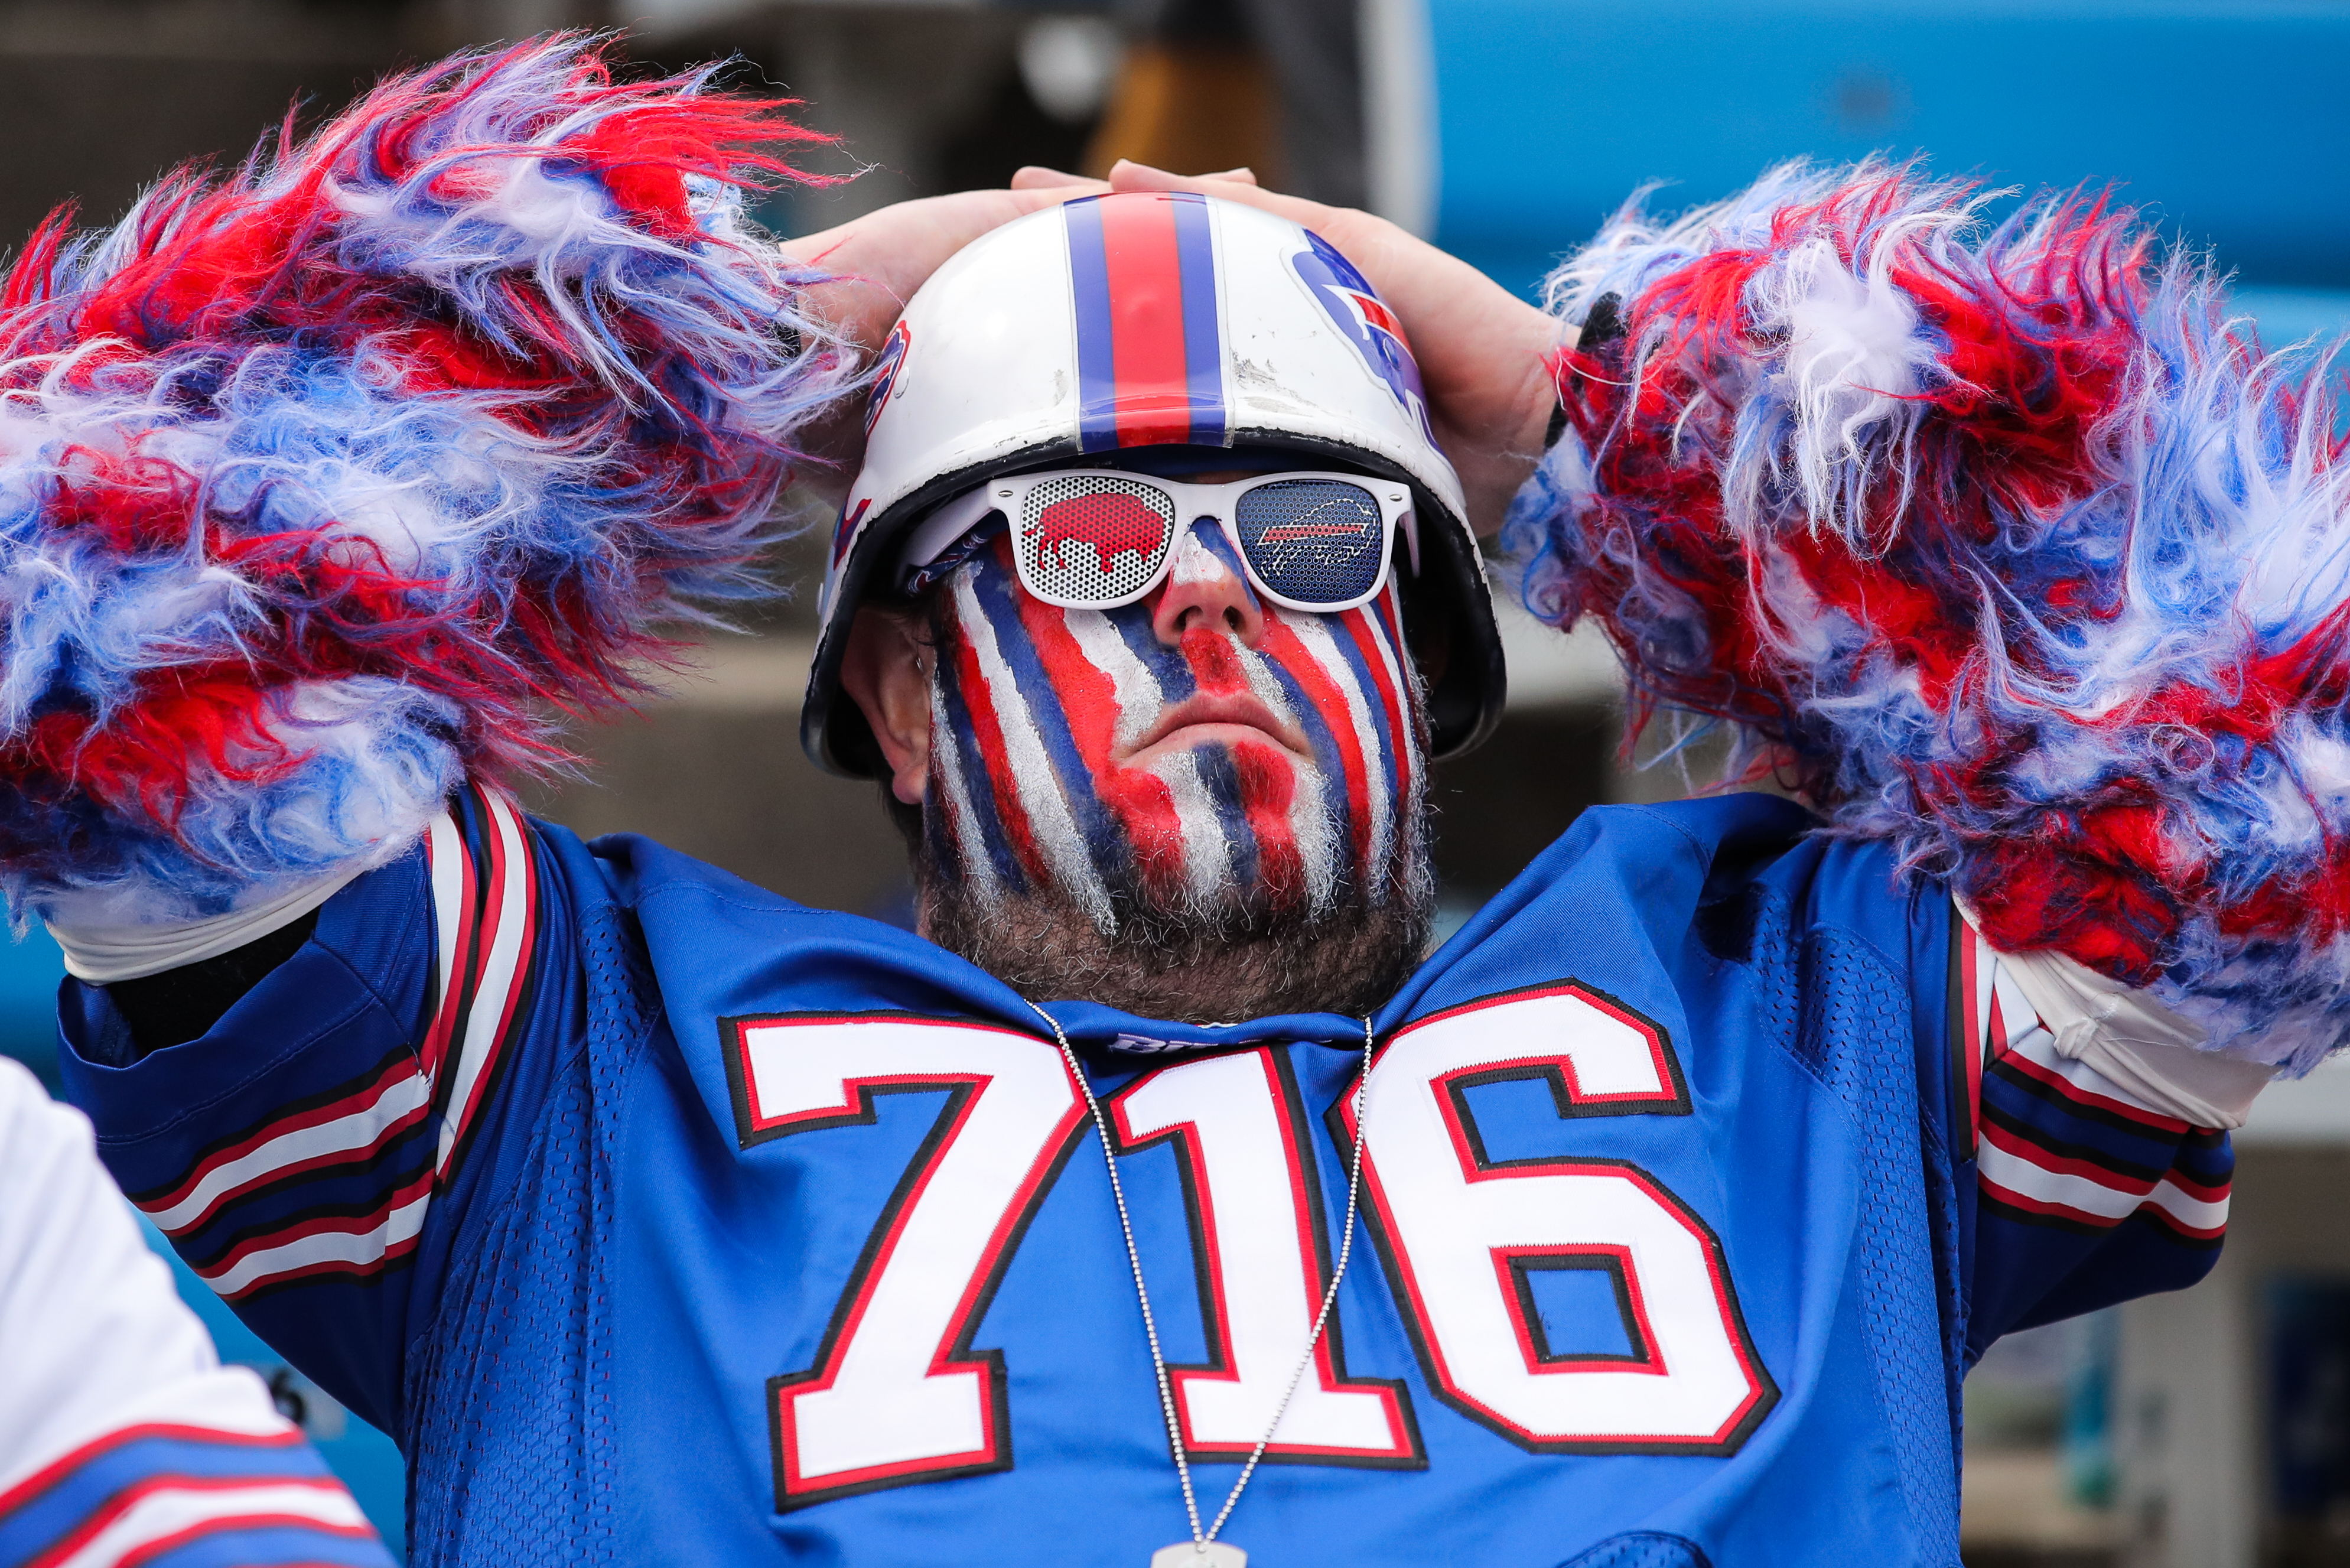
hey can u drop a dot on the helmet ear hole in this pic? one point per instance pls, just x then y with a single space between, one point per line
1428 625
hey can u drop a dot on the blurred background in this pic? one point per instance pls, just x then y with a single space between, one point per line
2207 1430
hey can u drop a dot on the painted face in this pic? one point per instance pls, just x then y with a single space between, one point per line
1077 751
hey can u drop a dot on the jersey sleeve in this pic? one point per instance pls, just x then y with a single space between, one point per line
122 1438
2098 1175
314 1157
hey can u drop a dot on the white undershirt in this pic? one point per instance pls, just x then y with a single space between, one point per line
2135 1040
101 955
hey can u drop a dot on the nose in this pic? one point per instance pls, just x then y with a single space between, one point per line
1206 590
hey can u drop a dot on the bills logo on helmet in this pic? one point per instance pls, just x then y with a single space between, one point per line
885 373
844 535
1363 319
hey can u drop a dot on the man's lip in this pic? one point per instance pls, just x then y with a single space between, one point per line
1223 712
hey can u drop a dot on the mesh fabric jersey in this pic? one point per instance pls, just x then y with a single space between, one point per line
665 1220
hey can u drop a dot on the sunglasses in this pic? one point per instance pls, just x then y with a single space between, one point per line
1097 539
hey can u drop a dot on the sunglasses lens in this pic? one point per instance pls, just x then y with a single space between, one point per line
1317 541
1094 538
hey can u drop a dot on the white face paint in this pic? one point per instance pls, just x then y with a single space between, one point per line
1076 750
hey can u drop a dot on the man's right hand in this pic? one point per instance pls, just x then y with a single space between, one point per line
1483 353
876 262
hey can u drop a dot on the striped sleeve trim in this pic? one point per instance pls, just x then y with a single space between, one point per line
2060 1144
375 1147
347 1125
165 1493
485 905
322 1241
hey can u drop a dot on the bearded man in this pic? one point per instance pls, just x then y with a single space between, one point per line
1162 1189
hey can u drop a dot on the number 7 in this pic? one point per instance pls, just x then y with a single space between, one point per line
897 1393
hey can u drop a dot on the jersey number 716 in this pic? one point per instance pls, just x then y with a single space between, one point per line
898 1394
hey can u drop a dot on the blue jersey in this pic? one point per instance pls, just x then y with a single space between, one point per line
664 1219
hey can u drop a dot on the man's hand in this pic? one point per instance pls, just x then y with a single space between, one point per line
877 263
1482 351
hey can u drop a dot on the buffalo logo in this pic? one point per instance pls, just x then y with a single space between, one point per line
1332 533
844 535
1363 320
845 530
1104 526
885 374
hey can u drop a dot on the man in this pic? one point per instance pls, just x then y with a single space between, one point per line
122 1438
1653 1220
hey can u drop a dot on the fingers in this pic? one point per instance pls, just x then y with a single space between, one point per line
1036 177
1233 185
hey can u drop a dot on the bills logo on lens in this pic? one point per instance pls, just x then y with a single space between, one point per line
1363 320
885 373
1108 526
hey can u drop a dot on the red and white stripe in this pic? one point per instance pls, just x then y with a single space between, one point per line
347 1130
485 915
326 1245
1206 853
487 918
162 1513
2005 1030
1031 795
2025 1176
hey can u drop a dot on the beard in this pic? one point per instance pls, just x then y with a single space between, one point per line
1184 960
1245 893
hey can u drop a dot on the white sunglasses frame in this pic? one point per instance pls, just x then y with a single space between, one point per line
1192 503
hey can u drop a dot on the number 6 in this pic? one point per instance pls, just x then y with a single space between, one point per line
1460 1229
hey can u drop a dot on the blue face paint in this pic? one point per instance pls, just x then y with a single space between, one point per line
1275 771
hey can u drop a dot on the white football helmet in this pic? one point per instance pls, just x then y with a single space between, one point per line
1150 320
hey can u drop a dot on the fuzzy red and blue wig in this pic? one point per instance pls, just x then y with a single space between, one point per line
2005 543
328 483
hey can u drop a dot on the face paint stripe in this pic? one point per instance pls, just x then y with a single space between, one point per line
1061 691
1167 665
976 847
1384 632
1204 554
1356 636
1127 812
1165 809
1046 697
983 746
1365 634
1140 693
1370 777
971 782
1207 851
1295 661
1288 809
1269 790
1223 781
1052 831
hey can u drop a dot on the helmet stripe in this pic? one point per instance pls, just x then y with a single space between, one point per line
1203 354
1149 335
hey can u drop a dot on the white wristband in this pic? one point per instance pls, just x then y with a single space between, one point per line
101 955
2134 1040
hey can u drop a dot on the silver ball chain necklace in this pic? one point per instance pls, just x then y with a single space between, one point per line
1203 1550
